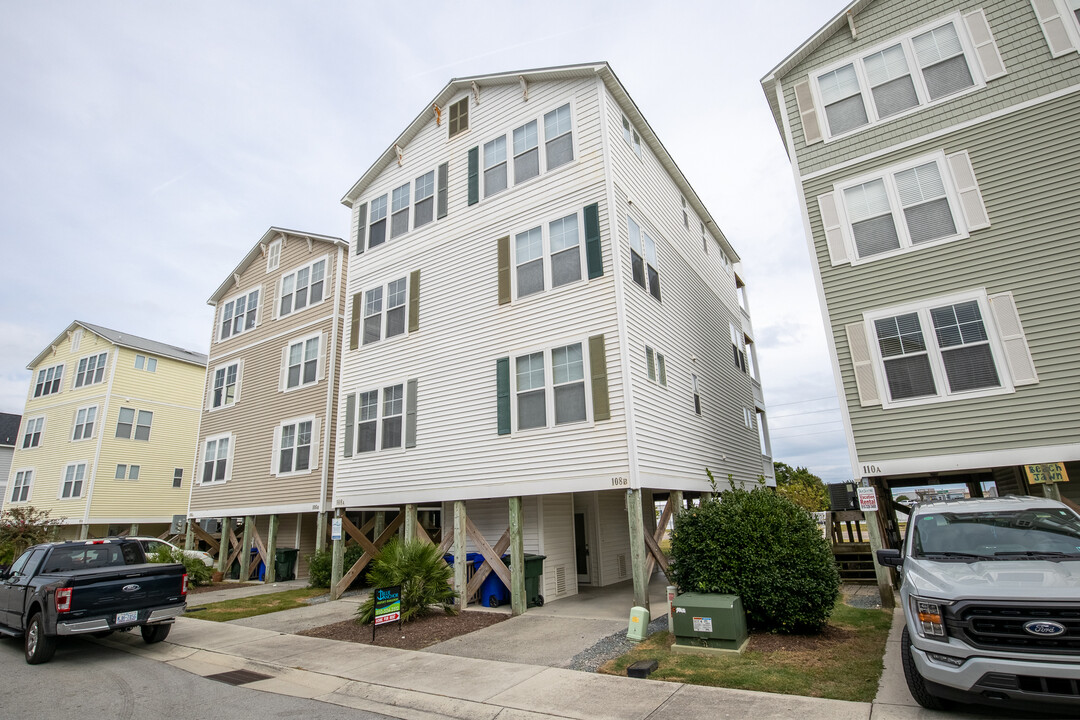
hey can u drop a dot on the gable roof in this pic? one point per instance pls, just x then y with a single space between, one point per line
562 72
9 429
839 22
134 342
260 248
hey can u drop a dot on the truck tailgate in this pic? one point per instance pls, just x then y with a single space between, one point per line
134 587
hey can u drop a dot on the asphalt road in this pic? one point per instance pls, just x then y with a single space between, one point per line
87 681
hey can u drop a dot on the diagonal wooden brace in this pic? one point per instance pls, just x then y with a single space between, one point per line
205 537
655 554
492 557
368 556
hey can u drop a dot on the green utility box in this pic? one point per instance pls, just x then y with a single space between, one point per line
709 623
285 564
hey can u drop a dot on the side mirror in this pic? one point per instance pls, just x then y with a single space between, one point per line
3 572
889 558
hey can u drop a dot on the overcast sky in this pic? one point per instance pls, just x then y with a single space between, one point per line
146 146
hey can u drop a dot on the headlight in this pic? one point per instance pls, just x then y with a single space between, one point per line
929 618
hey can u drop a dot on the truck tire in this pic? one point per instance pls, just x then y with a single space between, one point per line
154 633
915 681
37 646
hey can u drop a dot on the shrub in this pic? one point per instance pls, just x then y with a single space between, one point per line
21 527
419 569
762 547
320 566
197 573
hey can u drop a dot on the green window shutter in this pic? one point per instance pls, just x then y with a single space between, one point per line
354 326
502 385
442 191
414 301
504 270
361 228
592 241
410 415
598 372
350 416
474 175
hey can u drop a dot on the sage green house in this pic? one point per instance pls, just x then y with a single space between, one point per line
934 149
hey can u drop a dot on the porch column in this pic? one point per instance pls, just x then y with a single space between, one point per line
637 548
189 536
134 530
410 522
460 540
518 601
1051 491
271 551
706 497
245 549
884 579
320 531
337 569
224 548
84 531
676 498
380 523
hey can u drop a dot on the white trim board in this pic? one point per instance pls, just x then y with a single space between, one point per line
870 467
236 512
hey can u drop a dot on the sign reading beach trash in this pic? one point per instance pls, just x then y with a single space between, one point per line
387 606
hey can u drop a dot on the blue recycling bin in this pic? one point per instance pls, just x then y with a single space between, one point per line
262 567
493 592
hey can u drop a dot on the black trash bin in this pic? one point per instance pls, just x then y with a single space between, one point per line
534 571
285 564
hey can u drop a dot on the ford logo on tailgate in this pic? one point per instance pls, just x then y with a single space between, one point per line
133 588
1044 628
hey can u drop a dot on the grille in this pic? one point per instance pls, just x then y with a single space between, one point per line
1067 687
1001 627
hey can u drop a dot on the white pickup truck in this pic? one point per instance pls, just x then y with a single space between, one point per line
991 590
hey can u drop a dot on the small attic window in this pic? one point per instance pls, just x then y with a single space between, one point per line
273 255
459 116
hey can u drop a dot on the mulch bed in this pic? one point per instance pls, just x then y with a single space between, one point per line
829 638
196 589
414 635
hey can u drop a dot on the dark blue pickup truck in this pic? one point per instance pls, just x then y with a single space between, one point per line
88 586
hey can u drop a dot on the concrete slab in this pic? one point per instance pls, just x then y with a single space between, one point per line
133 643
905 712
281 649
299 683
208 635
408 704
892 688
302 618
586 695
346 659
611 602
515 714
464 678
694 702
204 663
531 639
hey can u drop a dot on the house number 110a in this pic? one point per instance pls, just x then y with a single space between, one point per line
620 482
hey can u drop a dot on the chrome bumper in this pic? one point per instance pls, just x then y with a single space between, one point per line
156 617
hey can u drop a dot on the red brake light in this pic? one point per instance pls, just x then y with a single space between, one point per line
63 600
183 585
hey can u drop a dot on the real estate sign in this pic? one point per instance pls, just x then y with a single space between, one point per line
387 604
1046 473
868 499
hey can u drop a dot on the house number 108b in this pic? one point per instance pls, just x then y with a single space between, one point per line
619 482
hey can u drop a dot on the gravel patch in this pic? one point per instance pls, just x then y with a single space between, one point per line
611 647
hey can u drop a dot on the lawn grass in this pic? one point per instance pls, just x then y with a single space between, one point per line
844 669
255 605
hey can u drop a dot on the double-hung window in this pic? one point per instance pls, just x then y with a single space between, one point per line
72 485
84 423
32 432
148 364
294 446
20 489
526 152
91 370
381 415
424 207
656 366
399 211
178 477
643 258
217 451
239 314
126 472
302 362
49 380
630 135
226 389
495 166
558 137
549 387
933 63
302 287
548 256
377 222
140 421
388 300
938 349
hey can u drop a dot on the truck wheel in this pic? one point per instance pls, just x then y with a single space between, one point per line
154 633
915 681
37 646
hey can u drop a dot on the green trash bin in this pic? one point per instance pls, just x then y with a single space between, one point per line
534 572
285 564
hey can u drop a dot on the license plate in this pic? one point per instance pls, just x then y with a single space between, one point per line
127 617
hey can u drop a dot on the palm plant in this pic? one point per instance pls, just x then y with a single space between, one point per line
424 578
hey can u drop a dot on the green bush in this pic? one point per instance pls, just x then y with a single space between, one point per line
762 547
320 566
419 569
197 573
21 527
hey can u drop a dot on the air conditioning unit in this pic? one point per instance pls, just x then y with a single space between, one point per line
843 496
210 525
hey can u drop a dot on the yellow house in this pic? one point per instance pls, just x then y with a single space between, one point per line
108 434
